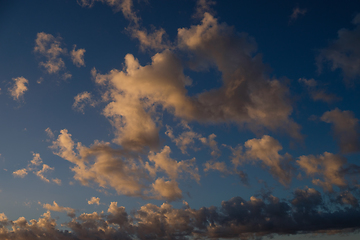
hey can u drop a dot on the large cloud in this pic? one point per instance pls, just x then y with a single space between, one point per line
124 171
264 215
247 96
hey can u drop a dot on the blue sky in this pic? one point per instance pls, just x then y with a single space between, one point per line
179 119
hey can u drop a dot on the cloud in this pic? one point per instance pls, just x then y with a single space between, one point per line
50 47
94 200
125 6
20 173
247 96
122 170
318 94
259 216
19 88
77 56
41 172
33 167
333 169
214 165
267 150
49 133
344 52
81 100
345 129
170 166
56 208
166 190
297 12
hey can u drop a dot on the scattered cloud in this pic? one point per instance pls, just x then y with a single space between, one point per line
50 47
122 170
19 88
332 168
33 167
81 100
318 94
344 52
345 129
77 56
56 208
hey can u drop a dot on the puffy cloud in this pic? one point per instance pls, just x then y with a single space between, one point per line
185 139
50 47
166 189
77 56
318 94
212 144
20 173
122 170
267 150
247 95
236 218
94 200
332 168
344 52
81 100
36 159
56 208
170 166
19 88
345 128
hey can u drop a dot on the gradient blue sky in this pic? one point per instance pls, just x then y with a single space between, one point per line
198 118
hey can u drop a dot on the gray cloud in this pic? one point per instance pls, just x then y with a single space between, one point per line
264 215
345 129
344 52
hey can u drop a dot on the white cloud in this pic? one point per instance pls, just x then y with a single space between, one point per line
19 88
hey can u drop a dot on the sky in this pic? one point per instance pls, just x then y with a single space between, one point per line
182 119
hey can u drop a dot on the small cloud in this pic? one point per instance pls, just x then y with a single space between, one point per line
21 173
81 100
94 200
49 133
77 56
297 12
19 88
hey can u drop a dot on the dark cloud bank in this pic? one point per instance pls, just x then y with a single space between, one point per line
264 215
